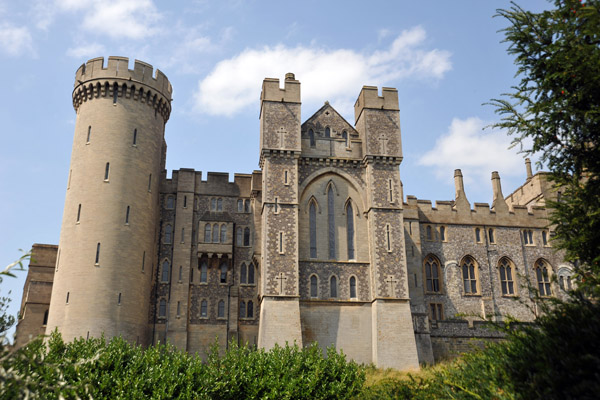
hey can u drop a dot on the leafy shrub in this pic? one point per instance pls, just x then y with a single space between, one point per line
114 369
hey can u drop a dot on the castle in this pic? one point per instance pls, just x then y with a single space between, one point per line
320 244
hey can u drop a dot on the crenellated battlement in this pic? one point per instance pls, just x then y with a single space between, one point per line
94 80
445 212
289 94
369 98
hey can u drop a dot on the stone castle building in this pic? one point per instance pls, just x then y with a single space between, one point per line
320 244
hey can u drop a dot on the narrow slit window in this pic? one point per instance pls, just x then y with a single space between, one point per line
388 238
106 171
115 92
251 274
350 230
223 277
203 272
243 273
143 261
352 287
545 238
345 137
276 205
165 272
223 233
135 137
184 201
78 213
246 236
491 236
207 233
333 287
180 273
215 233
312 218
119 299
127 215
281 242
162 308
327 132
45 322
150 182
68 294
89 134
242 309
285 177
391 190
250 312
179 308
204 309
238 238
443 233
97 254
221 309
311 137
478 235
182 235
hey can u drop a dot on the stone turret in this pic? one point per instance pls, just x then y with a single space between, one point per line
280 141
107 244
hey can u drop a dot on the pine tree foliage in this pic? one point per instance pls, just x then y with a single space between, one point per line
556 107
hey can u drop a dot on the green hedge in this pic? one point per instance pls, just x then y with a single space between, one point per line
101 369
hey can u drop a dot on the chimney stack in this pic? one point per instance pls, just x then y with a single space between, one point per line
528 166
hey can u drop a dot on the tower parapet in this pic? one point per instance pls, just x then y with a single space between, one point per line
93 80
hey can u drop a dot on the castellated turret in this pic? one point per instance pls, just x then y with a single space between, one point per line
108 240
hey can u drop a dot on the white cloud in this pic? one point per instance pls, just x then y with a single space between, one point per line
133 19
325 74
118 19
475 151
86 50
16 40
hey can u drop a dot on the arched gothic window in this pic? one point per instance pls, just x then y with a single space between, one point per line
223 275
162 308
221 309
331 222
223 233
242 309
432 274
345 137
243 273
207 231
327 132
215 233
312 218
542 274
165 272
203 309
314 286
238 238
251 274
478 235
247 237
333 287
469 274
203 272
350 230
506 276
352 287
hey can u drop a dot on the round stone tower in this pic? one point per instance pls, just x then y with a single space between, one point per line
108 239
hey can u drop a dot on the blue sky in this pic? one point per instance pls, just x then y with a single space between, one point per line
446 59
